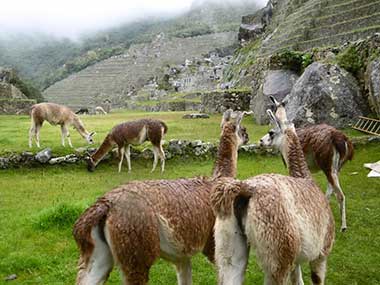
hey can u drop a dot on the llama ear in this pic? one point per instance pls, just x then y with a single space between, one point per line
273 120
274 101
92 134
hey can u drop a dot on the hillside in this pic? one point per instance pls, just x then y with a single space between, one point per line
115 77
46 60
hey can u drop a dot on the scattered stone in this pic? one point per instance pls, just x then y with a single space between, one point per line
196 116
44 155
11 277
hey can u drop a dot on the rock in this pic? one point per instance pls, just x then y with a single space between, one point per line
4 162
276 83
372 83
11 277
57 160
325 93
195 116
249 32
43 156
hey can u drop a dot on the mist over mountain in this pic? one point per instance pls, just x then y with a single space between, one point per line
45 58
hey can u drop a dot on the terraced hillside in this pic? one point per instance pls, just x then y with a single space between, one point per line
301 25
117 76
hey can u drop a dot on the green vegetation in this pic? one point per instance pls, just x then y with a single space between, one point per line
293 60
27 88
38 206
350 60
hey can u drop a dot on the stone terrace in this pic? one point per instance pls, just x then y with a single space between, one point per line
115 77
321 23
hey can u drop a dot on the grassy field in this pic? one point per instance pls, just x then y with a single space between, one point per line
38 206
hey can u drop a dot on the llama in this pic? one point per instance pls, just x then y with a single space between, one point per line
287 219
132 133
56 115
136 223
100 110
326 149
82 111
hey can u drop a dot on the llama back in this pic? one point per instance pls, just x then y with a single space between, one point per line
292 205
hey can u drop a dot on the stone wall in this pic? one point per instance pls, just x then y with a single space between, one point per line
219 101
16 106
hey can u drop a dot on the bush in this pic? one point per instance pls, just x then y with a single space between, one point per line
350 60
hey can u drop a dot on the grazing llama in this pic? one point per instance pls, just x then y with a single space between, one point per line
136 223
99 110
327 149
56 115
286 219
82 111
132 133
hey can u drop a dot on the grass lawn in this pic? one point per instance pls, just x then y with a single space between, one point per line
38 206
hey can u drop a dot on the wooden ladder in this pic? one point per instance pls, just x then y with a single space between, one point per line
368 125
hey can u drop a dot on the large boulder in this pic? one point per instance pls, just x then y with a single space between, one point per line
325 93
276 83
372 82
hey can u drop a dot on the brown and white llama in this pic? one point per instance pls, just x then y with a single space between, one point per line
56 115
136 223
286 219
327 149
132 133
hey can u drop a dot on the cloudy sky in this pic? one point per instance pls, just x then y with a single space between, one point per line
72 17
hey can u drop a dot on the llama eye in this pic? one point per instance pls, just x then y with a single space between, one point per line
271 133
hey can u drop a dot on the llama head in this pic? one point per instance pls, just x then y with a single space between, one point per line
89 138
275 136
232 120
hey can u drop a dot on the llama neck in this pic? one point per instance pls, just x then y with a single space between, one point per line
78 125
104 148
294 157
226 160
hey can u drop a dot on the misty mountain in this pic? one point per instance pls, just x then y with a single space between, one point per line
45 59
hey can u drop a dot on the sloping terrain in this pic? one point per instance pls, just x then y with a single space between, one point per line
320 23
115 77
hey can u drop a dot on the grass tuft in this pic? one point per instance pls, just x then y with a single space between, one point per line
60 216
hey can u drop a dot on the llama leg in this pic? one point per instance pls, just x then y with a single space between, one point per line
100 263
32 132
38 128
128 156
63 134
183 269
155 152
121 156
161 153
231 251
318 271
330 190
296 276
342 201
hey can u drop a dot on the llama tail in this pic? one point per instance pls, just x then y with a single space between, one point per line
104 148
92 217
224 193
165 127
344 147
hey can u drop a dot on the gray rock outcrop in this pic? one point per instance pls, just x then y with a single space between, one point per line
325 93
373 85
277 83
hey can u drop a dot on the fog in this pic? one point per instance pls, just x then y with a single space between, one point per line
72 18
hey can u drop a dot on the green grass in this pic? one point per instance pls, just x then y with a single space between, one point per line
38 206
